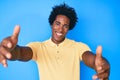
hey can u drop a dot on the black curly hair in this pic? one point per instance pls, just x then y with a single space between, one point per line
63 9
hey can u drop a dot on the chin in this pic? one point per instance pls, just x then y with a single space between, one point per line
60 39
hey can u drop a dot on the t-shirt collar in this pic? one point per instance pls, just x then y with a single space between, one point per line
55 45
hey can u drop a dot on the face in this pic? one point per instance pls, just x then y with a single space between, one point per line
60 28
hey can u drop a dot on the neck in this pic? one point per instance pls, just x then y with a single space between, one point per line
57 42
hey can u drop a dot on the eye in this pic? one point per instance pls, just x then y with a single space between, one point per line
66 26
57 23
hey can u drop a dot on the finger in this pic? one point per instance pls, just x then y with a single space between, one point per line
103 75
6 43
94 77
99 69
3 61
16 31
5 52
9 45
98 60
105 67
99 52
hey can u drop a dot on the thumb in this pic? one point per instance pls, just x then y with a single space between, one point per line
98 60
16 32
99 52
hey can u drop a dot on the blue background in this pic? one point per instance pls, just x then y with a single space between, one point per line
99 24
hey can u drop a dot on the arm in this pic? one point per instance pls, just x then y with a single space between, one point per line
21 53
9 49
89 59
97 62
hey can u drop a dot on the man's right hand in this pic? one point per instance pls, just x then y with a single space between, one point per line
7 45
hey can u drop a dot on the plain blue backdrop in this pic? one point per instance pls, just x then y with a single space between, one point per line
98 24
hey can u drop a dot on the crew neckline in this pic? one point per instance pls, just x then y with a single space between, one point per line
50 42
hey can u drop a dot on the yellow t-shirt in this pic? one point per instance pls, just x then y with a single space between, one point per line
58 62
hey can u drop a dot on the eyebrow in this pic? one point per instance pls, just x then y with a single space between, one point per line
60 22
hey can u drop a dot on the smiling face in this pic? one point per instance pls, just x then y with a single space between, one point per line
60 28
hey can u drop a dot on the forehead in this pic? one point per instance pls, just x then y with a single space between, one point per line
63 18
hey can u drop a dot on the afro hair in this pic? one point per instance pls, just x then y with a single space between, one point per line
64 9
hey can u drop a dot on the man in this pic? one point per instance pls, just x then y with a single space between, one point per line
58 57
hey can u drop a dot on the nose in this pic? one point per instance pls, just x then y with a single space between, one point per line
61 28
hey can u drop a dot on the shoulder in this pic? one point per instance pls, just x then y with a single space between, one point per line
34 44
80 45
75 42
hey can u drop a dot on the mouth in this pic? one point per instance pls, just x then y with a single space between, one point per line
59 34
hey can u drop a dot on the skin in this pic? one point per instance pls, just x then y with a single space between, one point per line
60 28
10 50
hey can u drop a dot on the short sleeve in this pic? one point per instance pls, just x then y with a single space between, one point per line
82 47
35 47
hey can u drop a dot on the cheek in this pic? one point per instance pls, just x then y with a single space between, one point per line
66 30
53 30
53 27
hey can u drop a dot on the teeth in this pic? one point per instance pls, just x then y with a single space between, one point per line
59 34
